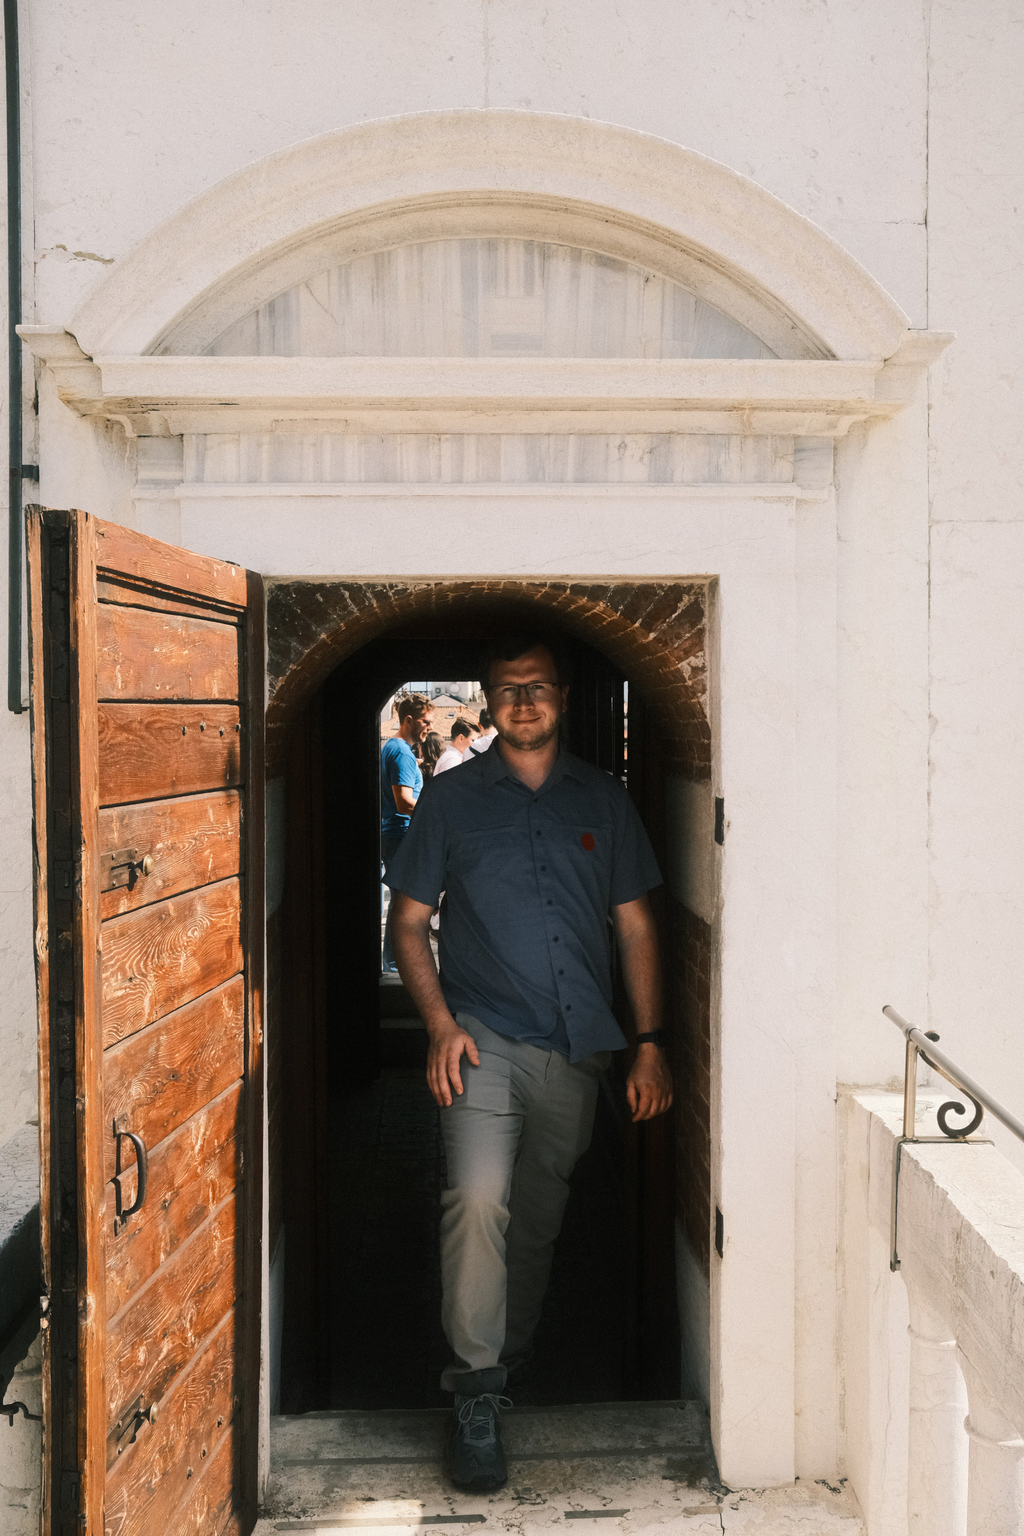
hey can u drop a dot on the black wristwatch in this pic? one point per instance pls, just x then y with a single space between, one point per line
658 1037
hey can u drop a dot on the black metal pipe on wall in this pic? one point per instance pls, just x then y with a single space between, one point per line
14 533
17 472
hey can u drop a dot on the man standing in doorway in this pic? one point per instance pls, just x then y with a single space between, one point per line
535 849
400 784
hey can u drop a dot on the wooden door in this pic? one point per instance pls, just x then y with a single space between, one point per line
147 699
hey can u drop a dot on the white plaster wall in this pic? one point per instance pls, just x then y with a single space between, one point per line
874 1401
918 851
18 1100
21 1450
136 112
976 832
813 957
882 791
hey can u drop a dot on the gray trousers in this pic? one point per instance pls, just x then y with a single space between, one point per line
512 1140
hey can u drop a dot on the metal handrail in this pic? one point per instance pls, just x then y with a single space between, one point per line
921 1043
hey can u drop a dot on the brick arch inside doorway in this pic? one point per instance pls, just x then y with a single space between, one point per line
656 632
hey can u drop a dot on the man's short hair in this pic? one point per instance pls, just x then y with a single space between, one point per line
485 720
515 643
462 727
413 704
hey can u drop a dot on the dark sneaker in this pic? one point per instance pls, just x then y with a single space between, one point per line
473 1454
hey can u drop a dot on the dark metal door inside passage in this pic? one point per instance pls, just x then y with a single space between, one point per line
147 699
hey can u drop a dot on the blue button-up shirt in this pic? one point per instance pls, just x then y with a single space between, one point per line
529 877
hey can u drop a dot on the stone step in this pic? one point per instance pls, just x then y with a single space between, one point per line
578 1469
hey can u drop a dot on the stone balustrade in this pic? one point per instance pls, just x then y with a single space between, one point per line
933 1356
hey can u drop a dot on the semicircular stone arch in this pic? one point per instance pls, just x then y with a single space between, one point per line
655 631
539 176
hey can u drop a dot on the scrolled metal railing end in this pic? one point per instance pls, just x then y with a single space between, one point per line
921 1043
951 1107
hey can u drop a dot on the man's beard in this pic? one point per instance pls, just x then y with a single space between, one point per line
529 743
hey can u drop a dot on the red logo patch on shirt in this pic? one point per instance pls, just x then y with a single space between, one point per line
588 841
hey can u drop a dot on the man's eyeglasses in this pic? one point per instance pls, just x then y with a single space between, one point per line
510 693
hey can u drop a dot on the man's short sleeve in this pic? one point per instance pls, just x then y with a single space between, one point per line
400 767
418 867
634 868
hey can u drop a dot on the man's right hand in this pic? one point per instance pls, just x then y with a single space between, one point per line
443 1059
410 934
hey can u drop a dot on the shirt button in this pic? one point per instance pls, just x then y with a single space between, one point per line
538 834
561 973
543 869
568 1007
550 903
555 939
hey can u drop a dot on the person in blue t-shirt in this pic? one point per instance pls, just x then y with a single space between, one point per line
400 785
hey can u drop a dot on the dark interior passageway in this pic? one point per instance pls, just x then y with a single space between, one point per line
362 1291
387 1349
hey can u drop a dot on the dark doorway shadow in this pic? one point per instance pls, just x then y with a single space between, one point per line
362 1303
387 1348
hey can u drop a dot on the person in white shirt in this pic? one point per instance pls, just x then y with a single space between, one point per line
454 754
487 733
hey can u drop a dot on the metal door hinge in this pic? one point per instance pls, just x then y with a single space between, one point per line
70 1492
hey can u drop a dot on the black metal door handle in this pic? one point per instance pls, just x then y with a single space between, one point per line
143 1166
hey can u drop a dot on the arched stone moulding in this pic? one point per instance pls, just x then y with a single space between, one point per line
482 173
654 630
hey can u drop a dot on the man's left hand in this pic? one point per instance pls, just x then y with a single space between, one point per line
649 1085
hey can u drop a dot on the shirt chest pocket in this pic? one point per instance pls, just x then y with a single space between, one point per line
581 852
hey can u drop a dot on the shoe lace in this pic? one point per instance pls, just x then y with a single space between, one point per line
479 1425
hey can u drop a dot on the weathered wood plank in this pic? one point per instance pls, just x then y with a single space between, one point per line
147 1482
131 594
209 1511
161 957
146 655
190 1174
122 551
148 751
155 1079
167 1322
192 841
